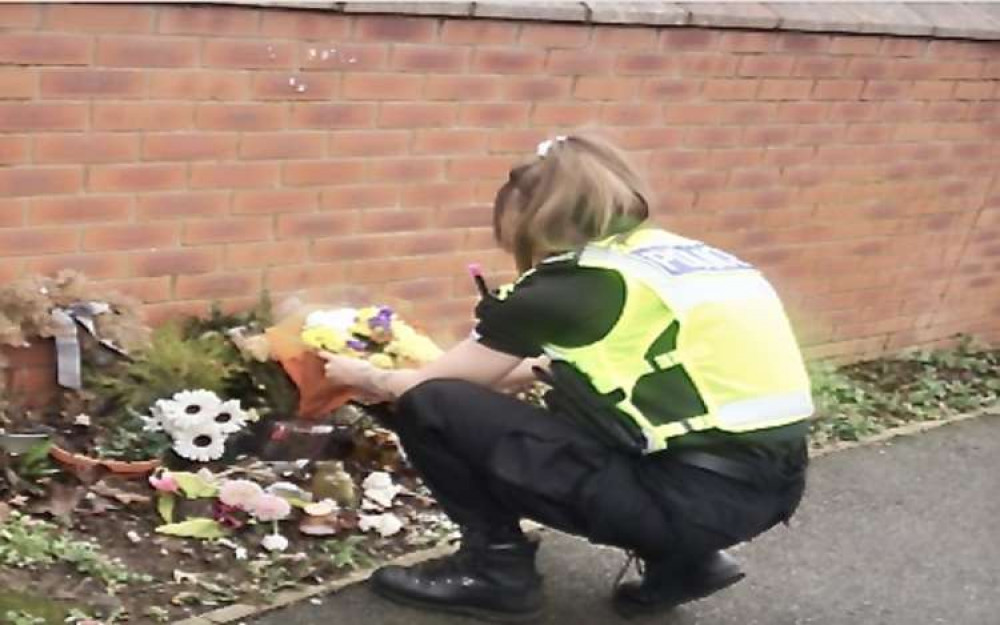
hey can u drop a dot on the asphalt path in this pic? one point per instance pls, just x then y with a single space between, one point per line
902 533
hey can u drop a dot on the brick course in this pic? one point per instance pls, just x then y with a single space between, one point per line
188 154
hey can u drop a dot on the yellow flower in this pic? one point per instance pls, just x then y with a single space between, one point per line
361 325
382 361
410 345
324 338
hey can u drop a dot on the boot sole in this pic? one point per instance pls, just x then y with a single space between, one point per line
480 613
635 610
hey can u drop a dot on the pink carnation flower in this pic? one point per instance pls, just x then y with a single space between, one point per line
271 508
164 482
242 494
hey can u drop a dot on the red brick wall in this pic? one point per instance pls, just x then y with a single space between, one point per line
191 154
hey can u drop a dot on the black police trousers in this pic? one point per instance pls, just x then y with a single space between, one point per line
491 460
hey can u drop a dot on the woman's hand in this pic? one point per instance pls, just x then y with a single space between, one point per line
468 361
357 374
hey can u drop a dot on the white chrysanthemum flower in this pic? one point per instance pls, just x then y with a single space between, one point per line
379 489
188 410
340 319
230 417
386 525
201 444
274 542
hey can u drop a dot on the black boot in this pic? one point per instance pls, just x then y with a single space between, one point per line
489 580
666 585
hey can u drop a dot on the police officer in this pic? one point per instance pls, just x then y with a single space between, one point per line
675 426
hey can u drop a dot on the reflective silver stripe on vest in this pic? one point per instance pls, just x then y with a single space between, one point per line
740 283
739 414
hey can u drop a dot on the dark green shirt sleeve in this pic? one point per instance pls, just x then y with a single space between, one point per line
559 304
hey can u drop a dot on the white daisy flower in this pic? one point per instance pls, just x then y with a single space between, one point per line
163 411
387 524
202 443
189 409
230 417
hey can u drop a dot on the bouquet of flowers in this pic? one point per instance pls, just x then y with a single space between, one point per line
374 333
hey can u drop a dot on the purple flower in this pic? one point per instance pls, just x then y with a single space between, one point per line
357 345
382 320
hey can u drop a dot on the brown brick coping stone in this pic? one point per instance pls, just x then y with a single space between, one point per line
950 20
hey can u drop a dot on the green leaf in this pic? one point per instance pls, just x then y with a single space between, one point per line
298 503
194 486
165 506
194 528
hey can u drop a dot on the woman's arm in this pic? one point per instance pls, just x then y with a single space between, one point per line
469 360
524 373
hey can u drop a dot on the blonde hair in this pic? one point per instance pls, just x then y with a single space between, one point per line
579 189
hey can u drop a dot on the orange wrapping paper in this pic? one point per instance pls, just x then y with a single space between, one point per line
318 396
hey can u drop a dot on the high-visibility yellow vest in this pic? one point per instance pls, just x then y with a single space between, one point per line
734 339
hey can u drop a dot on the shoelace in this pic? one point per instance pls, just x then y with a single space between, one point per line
633 558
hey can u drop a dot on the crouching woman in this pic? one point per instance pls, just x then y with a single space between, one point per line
676 422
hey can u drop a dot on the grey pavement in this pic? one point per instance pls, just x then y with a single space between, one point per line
904 533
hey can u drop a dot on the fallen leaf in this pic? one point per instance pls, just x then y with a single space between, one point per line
90 474
165 506
195 485
118 494
101 505
185 598
61 502
194 528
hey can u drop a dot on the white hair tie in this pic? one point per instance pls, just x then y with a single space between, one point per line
545 146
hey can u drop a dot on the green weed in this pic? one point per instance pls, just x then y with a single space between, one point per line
30 543
861 399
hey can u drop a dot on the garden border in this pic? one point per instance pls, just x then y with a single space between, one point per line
239 611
